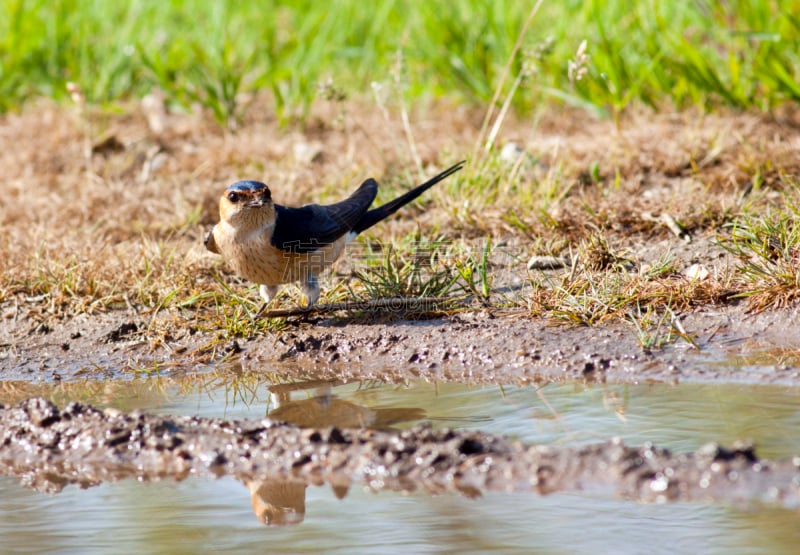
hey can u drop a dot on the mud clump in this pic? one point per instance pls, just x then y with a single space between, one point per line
123 332
49 448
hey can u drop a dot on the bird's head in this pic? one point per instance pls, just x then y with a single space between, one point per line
247 204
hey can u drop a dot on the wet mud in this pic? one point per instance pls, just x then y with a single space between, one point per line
48 449
482 346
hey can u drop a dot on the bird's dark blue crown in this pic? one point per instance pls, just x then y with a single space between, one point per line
247 187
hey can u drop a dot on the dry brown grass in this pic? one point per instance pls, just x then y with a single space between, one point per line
121 227
593 297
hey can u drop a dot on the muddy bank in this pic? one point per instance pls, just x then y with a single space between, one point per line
48 449
482 347
485 346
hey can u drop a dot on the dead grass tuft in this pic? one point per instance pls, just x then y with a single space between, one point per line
591 297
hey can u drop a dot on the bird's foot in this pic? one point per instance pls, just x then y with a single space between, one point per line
268 293
311 290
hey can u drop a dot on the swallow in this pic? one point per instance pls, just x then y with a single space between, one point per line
270 244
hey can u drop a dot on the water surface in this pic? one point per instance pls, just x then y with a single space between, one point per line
200 515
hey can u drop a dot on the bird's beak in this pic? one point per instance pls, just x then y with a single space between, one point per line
258 201
255 203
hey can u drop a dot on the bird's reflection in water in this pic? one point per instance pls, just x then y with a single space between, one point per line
277 502
325 409
282 501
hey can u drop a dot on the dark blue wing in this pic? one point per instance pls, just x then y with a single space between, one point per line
303 230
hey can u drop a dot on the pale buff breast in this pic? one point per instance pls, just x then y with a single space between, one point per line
255 259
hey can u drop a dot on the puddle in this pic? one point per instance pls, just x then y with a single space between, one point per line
678 417
208 515
762 362
205 516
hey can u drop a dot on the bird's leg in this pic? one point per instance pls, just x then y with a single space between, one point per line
311 289
267 292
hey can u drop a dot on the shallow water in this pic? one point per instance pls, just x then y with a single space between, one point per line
199 515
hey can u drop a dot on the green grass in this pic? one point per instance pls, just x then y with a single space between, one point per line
740 53
420 275
425 269
767 245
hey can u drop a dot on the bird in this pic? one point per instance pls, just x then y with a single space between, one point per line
278 501
271 244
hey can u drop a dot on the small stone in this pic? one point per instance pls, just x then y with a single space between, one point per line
511 152
547 263
307 152
696 272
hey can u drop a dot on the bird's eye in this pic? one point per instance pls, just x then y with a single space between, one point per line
233 197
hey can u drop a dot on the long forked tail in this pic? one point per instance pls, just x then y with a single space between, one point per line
375 215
